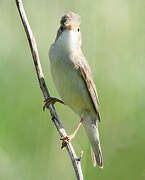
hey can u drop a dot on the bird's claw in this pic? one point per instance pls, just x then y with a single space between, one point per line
51 100
66 140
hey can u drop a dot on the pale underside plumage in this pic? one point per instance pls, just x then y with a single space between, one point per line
72 76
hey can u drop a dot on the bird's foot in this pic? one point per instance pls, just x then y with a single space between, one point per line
51 100
66 140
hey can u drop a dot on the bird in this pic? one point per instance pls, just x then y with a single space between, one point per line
73 79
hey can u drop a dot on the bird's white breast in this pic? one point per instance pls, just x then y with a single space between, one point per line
67 79
68 41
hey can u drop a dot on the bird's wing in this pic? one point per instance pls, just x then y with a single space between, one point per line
90 85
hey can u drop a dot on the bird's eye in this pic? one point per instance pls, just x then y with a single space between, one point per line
61 28
78 29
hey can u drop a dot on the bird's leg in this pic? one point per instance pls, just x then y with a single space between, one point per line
67 139
51 100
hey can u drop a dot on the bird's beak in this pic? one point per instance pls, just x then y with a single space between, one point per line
69 27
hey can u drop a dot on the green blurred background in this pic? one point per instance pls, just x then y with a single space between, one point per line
113 33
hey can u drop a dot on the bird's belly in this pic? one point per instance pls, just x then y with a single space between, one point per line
71 87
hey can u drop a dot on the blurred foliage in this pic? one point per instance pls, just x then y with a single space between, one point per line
113 35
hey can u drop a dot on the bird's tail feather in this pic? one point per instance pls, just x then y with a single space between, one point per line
93 135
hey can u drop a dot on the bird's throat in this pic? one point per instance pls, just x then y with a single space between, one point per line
68 41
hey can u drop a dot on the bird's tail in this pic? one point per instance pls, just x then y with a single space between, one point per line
93 135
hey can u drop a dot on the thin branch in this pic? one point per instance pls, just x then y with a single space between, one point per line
35 55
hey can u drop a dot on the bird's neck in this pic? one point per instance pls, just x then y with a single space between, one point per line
68 41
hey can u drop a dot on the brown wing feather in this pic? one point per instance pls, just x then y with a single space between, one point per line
88 79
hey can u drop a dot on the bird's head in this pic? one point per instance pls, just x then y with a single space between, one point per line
70 24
